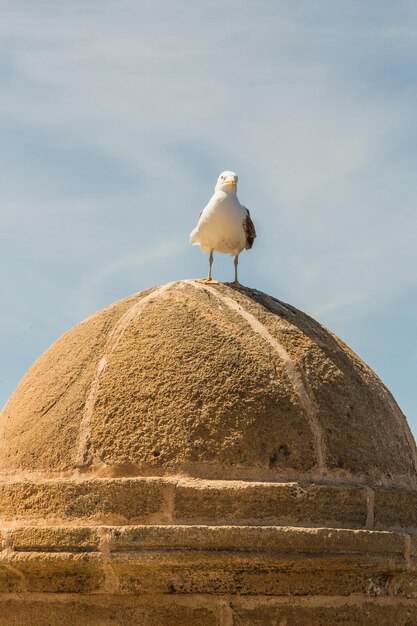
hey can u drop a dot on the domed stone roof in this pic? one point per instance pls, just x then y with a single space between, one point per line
208 381
202 455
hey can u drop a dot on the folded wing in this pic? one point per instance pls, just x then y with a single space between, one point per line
249 228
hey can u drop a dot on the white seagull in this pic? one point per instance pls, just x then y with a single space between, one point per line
225 224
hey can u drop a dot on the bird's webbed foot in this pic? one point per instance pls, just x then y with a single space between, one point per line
207 281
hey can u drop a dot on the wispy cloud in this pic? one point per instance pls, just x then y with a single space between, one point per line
123 270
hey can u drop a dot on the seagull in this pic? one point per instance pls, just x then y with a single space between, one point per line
225 225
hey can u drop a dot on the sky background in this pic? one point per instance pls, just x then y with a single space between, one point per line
117 117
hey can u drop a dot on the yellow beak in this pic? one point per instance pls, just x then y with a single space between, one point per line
231 181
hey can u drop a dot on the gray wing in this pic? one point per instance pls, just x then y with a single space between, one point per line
249 228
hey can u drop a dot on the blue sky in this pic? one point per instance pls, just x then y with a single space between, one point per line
116 118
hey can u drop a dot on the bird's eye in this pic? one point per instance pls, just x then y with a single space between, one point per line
221 177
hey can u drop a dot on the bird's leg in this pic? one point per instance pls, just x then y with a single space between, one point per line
209 278
210 264
236 261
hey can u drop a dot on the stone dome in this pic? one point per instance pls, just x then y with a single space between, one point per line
211 382
200 454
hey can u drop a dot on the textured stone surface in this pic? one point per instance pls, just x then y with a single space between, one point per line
164 500
368 613
115 611
206 456
212 382
395 509
257 538
187 350
40 423
58 573
203 611
96 500
47 539
352 404
168 559
283 503
10 581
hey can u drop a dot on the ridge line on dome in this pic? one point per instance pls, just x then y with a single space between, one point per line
112 342
292 373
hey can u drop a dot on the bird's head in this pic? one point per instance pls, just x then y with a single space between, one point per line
227 181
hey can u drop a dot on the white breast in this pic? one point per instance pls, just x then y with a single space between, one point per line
220 227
